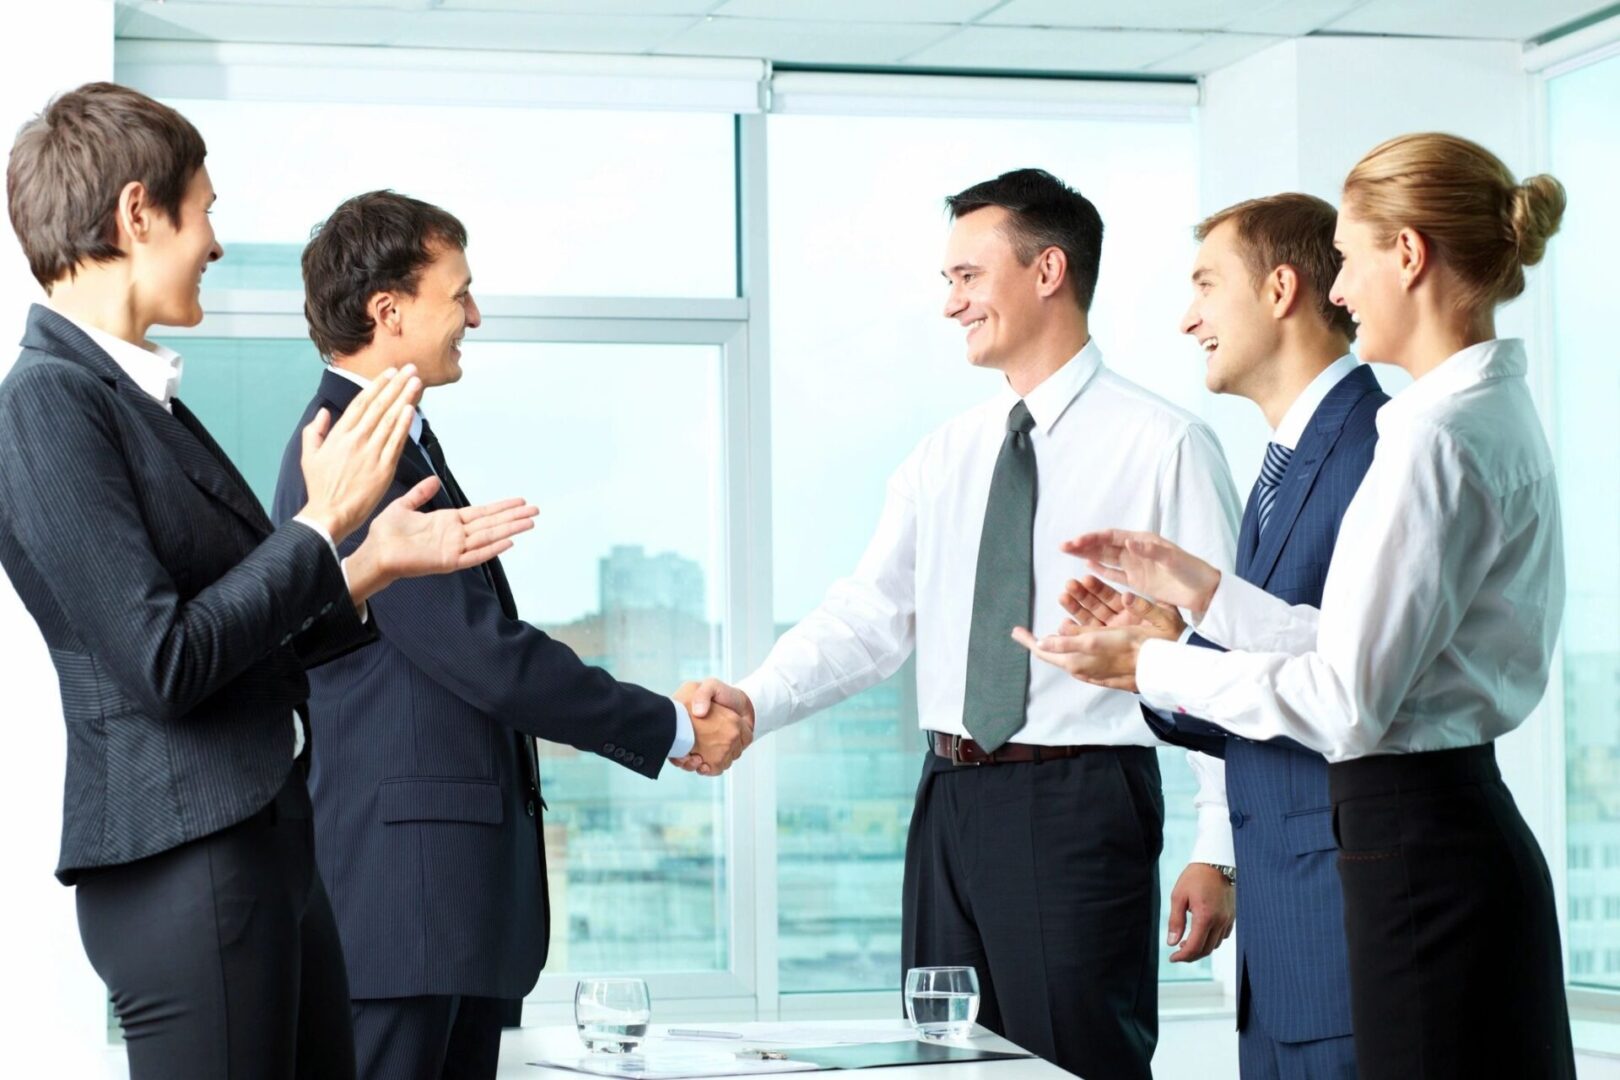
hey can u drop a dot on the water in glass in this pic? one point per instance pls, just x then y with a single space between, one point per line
942 1002
612 1014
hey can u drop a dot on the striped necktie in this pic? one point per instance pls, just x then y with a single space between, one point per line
1271 474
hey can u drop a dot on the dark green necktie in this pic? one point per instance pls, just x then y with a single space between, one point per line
1003 592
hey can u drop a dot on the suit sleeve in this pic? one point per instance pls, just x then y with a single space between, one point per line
452 629
69 493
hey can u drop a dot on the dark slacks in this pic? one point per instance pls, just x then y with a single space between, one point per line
1044 878
440 1037
1455 964
221 955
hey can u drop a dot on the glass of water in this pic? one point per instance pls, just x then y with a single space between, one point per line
942 1002
612 1014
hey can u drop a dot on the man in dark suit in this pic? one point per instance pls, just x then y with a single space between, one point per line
425 785
179 621
1261 312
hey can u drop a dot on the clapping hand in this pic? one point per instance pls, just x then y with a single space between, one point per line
1091 605
348 465
722 721
1148 565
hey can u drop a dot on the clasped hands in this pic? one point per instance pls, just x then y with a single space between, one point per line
1103 636
722 724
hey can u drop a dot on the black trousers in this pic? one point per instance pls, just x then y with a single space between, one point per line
221 955
438 1037
1044 878
1455 964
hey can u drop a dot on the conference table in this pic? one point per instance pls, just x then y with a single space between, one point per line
558 1043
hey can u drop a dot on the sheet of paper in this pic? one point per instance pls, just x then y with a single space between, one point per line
668 1063
825 1036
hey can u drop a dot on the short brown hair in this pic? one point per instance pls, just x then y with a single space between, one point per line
377 242
71 162
1288 230
1465 202
1042 212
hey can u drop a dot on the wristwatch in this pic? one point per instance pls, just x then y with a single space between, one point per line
1227 872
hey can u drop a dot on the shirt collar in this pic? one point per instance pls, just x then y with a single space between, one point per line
1499 358
361 380
1298 416
1049 400
156 370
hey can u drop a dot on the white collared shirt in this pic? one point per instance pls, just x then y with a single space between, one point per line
1107 453
1298 417
1443 599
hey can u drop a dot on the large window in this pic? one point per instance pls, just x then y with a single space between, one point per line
863 365
1586 157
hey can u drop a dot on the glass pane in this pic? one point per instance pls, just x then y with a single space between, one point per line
556 202
859 346
1586 157
619 446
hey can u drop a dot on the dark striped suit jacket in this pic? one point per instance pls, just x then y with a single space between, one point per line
178 620
1290 910
427 813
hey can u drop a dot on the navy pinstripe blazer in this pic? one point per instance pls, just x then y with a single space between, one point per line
178 621
1290 910
427 813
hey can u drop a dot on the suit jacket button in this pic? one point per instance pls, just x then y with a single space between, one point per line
327 609
307 624
608 748
286 639
530 808
1236 819
640 761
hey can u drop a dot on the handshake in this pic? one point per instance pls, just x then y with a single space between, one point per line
722 725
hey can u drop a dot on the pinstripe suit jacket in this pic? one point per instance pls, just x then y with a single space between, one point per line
178 621
1290 911
427 815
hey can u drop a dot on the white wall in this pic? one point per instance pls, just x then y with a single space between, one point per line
51 1001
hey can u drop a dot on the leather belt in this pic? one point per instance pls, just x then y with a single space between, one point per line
963 751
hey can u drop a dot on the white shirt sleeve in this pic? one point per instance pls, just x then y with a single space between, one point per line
862 632
1199 511
1413 550
1242 615
685 737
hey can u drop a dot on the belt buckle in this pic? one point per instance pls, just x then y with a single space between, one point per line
956 752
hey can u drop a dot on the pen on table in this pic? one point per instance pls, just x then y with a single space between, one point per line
700 1033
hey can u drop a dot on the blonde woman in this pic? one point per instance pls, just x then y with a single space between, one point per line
1435 635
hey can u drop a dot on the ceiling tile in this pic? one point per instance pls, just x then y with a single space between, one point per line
889 11
1214 51
229 22
804 42
578 7
1290 18
540 33
1158 15
1514 20
1028 49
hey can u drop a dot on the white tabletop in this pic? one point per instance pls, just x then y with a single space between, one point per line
522 1045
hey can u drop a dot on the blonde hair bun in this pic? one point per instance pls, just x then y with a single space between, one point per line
1535 210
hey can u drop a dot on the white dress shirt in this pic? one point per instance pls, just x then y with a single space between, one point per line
1442 602
157 371
685 737
1108 453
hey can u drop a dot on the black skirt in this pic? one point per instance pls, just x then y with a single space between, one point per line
1455 964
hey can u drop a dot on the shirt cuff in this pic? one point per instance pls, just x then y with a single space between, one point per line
343 564
1212 842
685 738
768 692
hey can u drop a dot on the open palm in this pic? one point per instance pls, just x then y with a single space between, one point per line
415 544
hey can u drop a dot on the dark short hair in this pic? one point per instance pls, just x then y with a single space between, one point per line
70 163
1288 230
1044 212
377 242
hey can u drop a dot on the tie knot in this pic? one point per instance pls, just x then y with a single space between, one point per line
428 439
1019 419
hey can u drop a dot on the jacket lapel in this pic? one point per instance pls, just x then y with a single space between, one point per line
193 449
1314 446
1248 541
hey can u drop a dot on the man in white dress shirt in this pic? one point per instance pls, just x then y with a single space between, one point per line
1034 843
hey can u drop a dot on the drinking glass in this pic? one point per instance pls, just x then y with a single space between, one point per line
612 1014
942 1002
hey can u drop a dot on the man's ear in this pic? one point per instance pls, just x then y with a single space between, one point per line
1052 272
1281 290
385 314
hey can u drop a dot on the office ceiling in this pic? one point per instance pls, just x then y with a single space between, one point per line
1099 37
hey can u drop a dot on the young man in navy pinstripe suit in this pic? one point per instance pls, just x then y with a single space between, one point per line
1269 333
